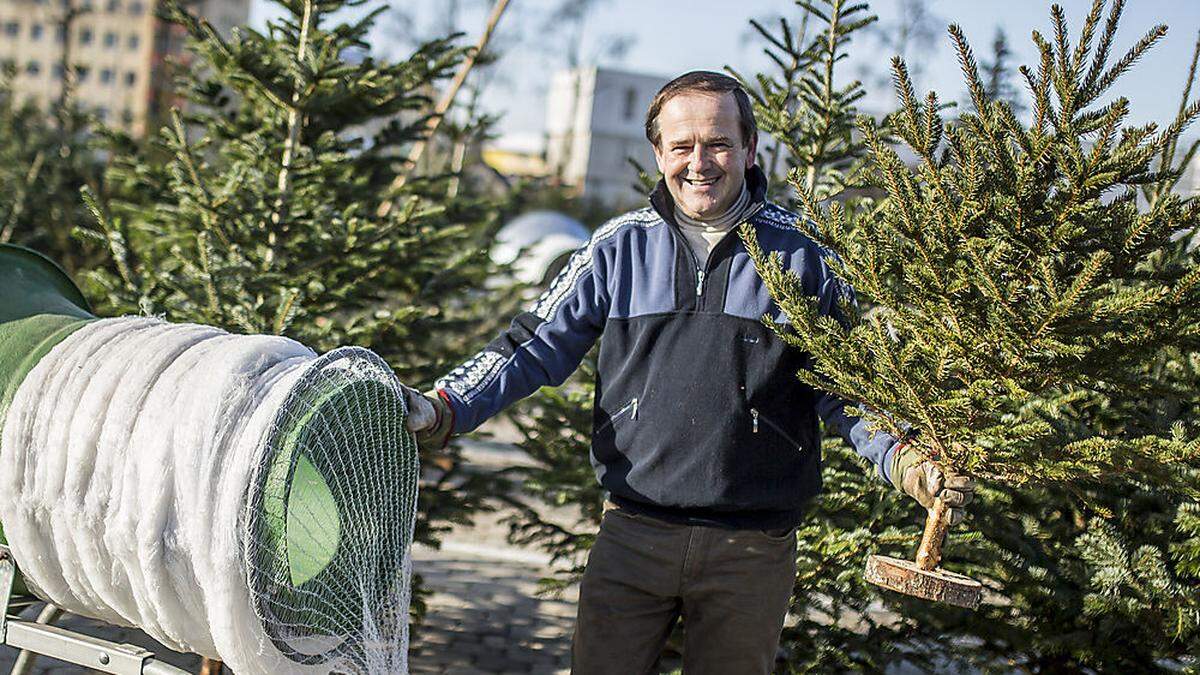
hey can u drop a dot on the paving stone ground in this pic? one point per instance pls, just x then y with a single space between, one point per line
486 617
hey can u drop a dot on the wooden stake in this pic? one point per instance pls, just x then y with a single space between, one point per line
923 578
439 111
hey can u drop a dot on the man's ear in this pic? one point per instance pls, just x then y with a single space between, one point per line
658 158
751 150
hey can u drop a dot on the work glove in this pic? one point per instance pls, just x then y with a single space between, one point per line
429 418
924 481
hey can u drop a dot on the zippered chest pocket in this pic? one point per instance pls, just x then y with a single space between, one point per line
629 411
761 423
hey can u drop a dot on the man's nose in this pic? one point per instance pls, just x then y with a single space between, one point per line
698 160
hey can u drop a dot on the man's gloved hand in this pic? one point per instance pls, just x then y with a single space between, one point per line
429 417
922 480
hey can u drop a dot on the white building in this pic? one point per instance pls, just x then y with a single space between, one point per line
595 121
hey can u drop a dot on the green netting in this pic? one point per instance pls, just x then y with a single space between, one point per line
330 514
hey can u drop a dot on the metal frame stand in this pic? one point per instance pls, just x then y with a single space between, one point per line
35 638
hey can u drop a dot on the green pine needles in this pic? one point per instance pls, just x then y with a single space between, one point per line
802 105
1016 273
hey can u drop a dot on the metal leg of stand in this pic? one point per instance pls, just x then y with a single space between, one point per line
84 650
210 667
25 659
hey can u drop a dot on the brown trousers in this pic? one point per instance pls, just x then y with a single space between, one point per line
730 587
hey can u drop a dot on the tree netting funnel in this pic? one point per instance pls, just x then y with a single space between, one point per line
330 515
236 496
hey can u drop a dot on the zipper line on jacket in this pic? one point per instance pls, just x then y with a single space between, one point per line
754 415
702 272
630 407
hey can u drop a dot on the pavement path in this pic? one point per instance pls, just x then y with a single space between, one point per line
485 614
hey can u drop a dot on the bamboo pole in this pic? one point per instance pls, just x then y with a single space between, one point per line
439 111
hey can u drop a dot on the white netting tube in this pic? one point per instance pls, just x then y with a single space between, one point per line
124 468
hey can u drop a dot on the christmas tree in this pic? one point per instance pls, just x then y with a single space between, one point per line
1098 576
44 161
1010 273
287 203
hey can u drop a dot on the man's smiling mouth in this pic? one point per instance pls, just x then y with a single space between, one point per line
698 182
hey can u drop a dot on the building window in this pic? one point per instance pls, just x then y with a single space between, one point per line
106 76
102 113
114 5
136 7
81 73
60 34
12 29
130 78
110 39
134 41
85 36
35 31
33 68
630 104
127 116
57 71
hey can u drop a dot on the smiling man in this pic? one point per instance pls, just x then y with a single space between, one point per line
707 443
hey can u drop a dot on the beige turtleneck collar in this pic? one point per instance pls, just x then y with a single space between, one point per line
703 235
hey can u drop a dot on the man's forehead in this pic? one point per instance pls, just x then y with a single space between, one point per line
693 111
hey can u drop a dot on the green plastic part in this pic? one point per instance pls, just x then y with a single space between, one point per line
314 510
310 549
303 527
39 307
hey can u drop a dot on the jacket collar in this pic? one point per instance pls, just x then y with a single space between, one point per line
660 197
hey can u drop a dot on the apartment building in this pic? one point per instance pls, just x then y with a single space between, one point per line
117 49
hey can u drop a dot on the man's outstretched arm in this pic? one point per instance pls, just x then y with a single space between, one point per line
542 346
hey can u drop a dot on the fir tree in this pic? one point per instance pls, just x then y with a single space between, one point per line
286 205
1009 273
45 158
556 432
998 71
1100 576
803 109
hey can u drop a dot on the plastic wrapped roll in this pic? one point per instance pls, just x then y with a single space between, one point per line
235 496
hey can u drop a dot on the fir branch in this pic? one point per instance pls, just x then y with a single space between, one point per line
294 127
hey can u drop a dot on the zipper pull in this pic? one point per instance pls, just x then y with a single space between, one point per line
699 283
633 413
754 417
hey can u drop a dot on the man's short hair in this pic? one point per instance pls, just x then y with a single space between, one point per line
704 81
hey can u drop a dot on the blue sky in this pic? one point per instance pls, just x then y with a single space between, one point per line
669 37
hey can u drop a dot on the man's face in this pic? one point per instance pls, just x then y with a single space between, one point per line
701 152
